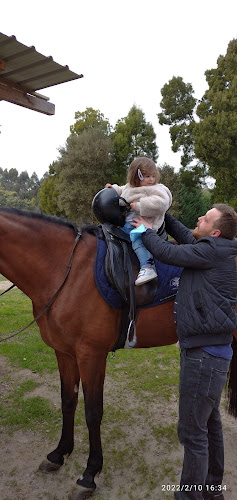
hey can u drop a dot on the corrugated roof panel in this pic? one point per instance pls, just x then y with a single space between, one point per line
27 67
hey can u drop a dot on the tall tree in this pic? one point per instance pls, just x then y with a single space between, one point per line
194 195
171 179
133 136
216 132
178 106
8 178
34 185
22 184
209 145
48 196
190 198
21 187
80 170
193 203
83 169
12 200
90 118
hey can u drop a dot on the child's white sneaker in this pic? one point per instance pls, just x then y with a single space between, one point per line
145 274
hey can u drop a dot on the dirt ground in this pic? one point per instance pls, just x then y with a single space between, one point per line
22 452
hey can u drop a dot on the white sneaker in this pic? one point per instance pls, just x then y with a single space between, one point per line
146 274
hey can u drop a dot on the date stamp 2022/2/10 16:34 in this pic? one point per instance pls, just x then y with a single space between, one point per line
213 488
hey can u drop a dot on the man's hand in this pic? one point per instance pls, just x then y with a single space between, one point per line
138 221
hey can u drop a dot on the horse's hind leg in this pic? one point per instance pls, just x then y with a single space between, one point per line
69 375
92 363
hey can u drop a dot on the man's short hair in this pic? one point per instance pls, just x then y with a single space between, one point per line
227 222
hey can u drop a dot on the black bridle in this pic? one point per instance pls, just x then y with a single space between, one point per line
47 306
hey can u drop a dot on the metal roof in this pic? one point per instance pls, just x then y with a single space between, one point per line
24 70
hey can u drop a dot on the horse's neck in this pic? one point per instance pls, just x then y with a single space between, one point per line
30 256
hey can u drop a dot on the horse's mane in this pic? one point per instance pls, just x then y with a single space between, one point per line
89 228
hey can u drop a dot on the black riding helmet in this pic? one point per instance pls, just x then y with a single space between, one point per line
107 208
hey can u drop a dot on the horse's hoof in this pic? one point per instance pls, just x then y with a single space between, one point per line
81 493
47 466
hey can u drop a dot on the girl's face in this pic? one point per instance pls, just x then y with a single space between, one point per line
149 179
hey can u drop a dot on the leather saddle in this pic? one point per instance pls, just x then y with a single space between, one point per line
121 269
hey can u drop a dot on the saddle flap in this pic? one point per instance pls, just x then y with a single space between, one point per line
119 263
116 232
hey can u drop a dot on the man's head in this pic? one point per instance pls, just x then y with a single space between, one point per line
221 220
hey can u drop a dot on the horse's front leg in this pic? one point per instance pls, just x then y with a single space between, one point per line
69 375
92 363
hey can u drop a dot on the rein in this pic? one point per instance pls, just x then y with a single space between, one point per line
47 306
7 290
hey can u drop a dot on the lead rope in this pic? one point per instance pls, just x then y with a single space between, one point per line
47 306
7 290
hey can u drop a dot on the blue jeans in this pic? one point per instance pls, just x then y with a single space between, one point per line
202 378
144 256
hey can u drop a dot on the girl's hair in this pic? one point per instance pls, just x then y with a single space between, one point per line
146 166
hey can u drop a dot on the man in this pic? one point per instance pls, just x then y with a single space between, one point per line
206 319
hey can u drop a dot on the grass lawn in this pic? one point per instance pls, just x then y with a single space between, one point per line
140 410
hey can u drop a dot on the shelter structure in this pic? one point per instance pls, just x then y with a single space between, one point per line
24 71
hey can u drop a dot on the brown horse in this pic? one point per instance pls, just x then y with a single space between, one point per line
80 326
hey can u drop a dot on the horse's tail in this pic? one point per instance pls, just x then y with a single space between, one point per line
232 382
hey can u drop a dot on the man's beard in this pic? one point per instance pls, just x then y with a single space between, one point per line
195 233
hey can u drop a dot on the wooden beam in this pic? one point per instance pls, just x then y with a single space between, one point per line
26 100
17 86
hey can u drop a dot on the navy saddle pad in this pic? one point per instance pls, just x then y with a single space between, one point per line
168 279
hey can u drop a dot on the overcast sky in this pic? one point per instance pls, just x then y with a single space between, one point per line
126 50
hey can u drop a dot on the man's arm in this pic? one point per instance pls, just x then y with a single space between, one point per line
178 231
198 256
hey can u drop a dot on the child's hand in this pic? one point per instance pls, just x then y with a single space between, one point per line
138 221
133 205
109 186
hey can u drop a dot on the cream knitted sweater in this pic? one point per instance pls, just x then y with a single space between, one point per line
151 201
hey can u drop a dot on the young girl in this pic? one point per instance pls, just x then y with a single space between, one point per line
148 198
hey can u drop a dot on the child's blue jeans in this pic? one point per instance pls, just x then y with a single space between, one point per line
144 256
